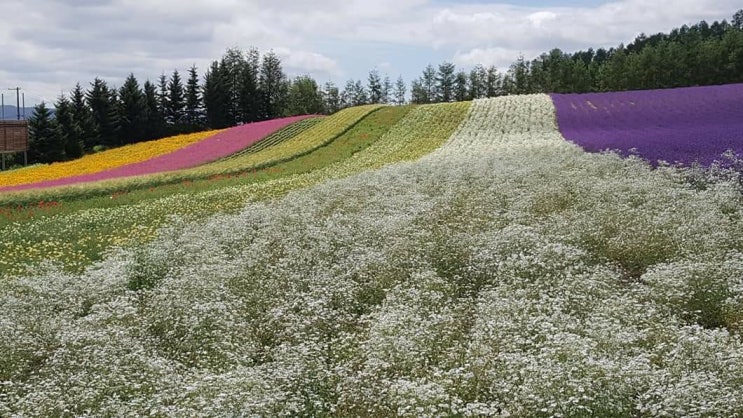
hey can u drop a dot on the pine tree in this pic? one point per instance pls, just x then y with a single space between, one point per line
249 94
194 107
231 71
104 111
216 98
354 94
175 110
418 93
518 75
154 125
445 80
428 84
331 98
374 87
70 133
386 89
477 83
83 118
162 96
44 145
273 85
132 108
460 87
493 83
398 93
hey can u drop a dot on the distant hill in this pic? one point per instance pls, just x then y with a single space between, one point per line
9 112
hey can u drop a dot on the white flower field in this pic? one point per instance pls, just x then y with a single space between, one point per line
505 273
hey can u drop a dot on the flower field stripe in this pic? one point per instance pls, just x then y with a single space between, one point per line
318 135
278 137
491 126
214 147
682 125
423 130
101 161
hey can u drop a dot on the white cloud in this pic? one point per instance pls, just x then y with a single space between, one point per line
500 57
307 62
537 19
60 42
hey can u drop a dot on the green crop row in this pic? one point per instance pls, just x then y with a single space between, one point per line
276 138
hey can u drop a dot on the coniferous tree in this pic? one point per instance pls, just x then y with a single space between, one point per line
44 145
374 87
162 95
305 97
737 22
232 68
104 111
428 83
386 89
477 82
445 81
613 75
354 94
69 130
493 82
249 94
194 115
418 93
132 108
518 73
273 85
331 98
216 97
347 95
399 91
460 87
175 109
83 118
154 120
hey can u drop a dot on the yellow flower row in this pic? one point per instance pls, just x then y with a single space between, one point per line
101 161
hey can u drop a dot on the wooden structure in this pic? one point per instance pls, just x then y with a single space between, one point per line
13 139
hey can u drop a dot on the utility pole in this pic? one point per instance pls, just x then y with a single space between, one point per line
17 100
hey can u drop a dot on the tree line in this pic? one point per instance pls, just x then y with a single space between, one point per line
244 87
697 55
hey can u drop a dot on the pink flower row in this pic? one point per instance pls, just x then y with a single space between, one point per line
210 149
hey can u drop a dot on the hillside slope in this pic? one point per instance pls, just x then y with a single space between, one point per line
505 273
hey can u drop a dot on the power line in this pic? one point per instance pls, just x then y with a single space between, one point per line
17 100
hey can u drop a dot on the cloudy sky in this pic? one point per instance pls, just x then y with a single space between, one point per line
46 46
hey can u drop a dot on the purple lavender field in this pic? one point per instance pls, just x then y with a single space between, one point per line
683 125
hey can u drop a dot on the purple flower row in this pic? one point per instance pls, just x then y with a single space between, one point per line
683 125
